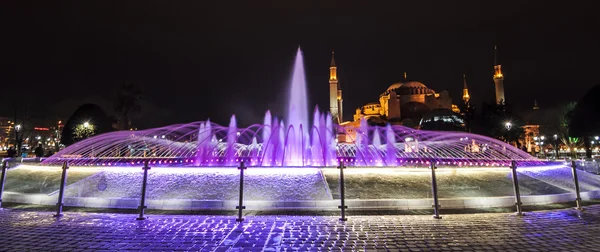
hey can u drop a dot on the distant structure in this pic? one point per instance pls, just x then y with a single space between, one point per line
405 102
465 96
535 119
335 93
498 79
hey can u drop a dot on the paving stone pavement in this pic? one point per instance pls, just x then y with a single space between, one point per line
556 230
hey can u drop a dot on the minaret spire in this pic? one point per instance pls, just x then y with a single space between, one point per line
332 59
466 96
495 55
404 76
335 92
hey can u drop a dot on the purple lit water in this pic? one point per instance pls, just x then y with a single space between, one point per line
297 115
293 142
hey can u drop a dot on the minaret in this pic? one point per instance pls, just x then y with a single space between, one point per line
498 79
465 96
340 104
335 94
535 105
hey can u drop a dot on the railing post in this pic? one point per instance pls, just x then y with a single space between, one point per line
434 192
342 205
576 180
143 206
241 206
3 178
61 192
513 167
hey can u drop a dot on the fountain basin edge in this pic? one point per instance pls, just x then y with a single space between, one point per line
356 204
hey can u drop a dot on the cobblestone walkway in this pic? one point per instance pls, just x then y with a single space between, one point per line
557 230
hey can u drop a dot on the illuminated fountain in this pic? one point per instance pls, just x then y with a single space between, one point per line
276 144
291 143
194 162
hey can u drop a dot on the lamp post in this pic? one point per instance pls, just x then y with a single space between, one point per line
535 141
539 141
597 141
555 138
18 140
507 125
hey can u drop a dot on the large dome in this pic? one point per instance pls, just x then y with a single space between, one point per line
408 87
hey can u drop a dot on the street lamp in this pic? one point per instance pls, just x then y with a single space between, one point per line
555 138
539 141
86 124
18 139
508 125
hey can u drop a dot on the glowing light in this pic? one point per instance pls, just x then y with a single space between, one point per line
292 143
86 124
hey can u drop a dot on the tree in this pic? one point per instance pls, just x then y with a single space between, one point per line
585 118
86 121
22 127
128 103
84 130
563 126
469 116
494 121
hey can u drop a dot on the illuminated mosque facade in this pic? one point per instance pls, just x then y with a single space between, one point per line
405 102
408 102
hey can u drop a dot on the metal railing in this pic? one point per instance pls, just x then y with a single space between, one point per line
343 206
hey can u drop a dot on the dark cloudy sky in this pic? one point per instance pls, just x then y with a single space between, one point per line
200 59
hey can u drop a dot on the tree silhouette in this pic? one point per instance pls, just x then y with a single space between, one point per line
22 127
563 127
128 103
493 123
88 114
585 118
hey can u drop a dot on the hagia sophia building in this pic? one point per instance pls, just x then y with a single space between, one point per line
408 102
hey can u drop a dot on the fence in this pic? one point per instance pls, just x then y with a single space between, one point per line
343 204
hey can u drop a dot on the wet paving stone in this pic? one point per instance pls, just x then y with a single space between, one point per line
557 230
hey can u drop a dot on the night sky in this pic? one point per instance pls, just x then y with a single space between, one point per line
201 59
